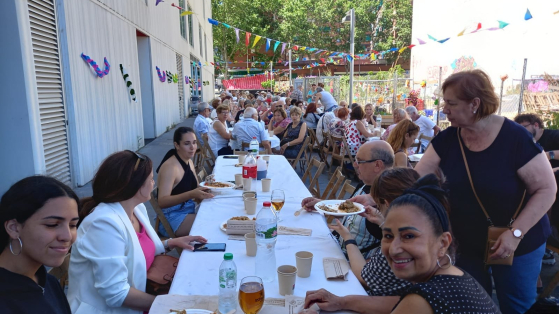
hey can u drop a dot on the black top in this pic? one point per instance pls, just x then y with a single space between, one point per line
19 294
494 173
379 277
454 294
550 141
188 181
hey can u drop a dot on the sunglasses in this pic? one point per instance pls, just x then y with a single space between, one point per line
140 157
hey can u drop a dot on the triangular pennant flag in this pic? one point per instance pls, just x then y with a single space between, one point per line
295 47
213 22
322 59
503 24
226 25
247 38
349 58
431 37
303 48
256 39
442 41
411 46
421 42
461 33
373 57
402 49
477 28
283 47
528 15
187 13
276 45
237 33
267 44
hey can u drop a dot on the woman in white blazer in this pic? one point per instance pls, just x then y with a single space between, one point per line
108 263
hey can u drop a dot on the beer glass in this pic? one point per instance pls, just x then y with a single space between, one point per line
251 295
278 199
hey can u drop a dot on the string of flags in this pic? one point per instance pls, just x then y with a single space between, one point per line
373 54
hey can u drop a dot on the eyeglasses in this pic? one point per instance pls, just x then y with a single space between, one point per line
140 157
359 162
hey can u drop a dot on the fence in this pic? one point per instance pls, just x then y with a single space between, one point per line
387 94
331 84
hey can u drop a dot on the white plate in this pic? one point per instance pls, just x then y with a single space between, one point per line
231 185
415 157
221 226
196 311
333 204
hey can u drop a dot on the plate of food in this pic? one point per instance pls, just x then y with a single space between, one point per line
339 207
192 311
218 185
223 225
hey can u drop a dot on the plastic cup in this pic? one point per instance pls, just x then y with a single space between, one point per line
271 133
238 179
242 159
250 240
247 184
266 185
250 205
267 158
249 194
286 279
304 263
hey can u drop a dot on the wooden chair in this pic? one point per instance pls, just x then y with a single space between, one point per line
314 163
347 188
240 152
296 160
344 154
202 175
200 156
61 272
326 147
335 181
161 219
316 145
424 137
208 153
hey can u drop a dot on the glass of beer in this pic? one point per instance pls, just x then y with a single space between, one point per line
251 295
278 199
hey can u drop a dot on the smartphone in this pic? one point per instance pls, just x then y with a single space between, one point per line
230 157
209 247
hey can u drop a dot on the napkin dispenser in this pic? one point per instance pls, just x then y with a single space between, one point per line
240 226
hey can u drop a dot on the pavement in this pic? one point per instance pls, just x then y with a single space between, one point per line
157 149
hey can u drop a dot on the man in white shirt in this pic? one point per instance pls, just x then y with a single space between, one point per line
249 127
201 124
426 126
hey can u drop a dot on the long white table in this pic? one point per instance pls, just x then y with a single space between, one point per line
197 272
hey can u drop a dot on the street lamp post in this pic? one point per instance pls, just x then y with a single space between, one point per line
350 17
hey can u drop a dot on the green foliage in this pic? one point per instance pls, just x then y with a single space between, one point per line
550 119
268 84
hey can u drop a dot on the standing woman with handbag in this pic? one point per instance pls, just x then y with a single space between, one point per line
498 177
116 244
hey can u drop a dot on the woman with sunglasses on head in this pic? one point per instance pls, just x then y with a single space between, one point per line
39 216
177 183
116 243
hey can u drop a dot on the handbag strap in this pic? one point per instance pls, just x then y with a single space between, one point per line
474 190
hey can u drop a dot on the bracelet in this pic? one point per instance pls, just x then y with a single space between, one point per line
287 144
551 155
352 241
166 244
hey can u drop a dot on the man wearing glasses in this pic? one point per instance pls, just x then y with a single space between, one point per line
201 124
371 160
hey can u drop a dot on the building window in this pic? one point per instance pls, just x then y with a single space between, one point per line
201 45
182 20
206 46
190 26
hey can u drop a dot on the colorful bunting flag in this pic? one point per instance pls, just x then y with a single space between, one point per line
411 46
421 42
213 22
503 24
276 45
461 33
283 47
237 33
247 38
349 57
226 25
373 57
190 12
402 49
477 28
431 37
267 44
442 41
528 15
256 39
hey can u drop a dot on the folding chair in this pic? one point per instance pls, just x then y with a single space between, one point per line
202 175
161 219
344 154
208 153
424 137
326 147
347 188
314 163
296 160
61 272
335 181
317 145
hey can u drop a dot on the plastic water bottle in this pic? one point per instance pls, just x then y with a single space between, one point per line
227 284
379 120
249 167
266 228
254 146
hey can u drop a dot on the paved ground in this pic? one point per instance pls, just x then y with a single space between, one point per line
157 148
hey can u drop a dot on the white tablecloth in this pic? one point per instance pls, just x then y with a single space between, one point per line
197 273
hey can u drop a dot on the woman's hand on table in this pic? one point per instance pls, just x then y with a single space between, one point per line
325 300
184 242
309 202
373 215
341 229
505 246
283 148
201 193
364 199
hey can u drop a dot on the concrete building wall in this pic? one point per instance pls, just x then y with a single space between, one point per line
497 52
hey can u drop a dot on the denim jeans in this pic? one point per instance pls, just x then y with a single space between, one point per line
176 214
515 285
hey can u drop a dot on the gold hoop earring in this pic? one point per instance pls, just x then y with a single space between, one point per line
20 245
449 262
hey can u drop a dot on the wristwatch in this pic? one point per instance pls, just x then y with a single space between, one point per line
166 244
350 242
551 155
517 233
